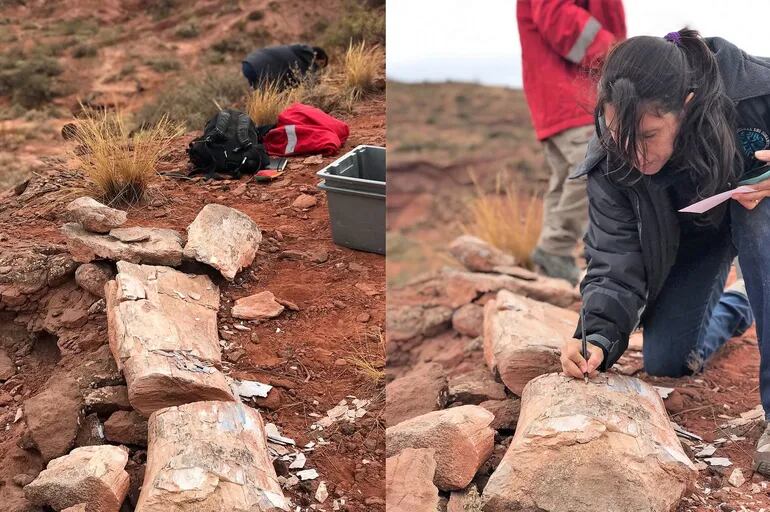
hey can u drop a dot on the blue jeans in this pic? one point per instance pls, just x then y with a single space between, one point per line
693 315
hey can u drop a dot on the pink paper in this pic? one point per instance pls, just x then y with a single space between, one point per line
705 205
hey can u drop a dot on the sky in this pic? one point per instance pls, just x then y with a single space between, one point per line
439 40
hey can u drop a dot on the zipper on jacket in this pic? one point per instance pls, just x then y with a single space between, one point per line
637 202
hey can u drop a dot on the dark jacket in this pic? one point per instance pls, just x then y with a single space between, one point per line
277 64
634 232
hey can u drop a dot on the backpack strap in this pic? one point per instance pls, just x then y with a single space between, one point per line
220 128
242 132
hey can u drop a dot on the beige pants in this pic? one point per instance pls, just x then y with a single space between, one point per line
565 205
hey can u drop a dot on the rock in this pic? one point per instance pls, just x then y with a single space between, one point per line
164 340
469 320
422 390
409 481
162 246
318 256
126 427
475 387
53 416
523 337
506 412
7 368
235 355
322 493
363 317
259 306
410 321
93 475
106 400
736 478
479 256
91 432
23 479
287 303
461 430
30 270
128 235
224 238
80 507
464 287
94 216
313 160
304 201
212 456
575 440
93 276
467 500
292 255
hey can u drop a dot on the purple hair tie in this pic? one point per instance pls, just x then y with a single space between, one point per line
673 37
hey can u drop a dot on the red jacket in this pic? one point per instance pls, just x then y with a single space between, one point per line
561 40
306 130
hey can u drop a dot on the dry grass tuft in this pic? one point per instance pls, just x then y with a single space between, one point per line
119 165
506 219
360 68
267 102
369 359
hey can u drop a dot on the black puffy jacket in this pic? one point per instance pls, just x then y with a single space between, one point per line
276 64
634 231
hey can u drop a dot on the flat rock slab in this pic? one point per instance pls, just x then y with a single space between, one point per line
160 247
460 437
91 475
224 238
480 256
522 338
209 457
424 389
464 287
260 306
574 441
95 216
475 387
162 326
409 481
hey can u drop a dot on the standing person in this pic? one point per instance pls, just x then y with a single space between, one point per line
677 119
282 65
560 41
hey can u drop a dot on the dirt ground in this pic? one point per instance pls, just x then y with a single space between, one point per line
330 349
427 197
310 356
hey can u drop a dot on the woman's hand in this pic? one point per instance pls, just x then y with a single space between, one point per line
573 363
750 200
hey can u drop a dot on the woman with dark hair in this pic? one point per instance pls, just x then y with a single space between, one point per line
677 119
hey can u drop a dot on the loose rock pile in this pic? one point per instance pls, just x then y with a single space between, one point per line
206 450
479 420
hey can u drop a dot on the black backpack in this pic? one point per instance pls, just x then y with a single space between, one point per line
230 144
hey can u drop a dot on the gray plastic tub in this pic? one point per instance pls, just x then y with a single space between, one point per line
355 189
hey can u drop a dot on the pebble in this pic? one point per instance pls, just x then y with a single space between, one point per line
364 317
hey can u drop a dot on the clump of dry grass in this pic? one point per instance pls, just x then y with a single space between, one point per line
267 102
360 68
507 219
369 359
118 164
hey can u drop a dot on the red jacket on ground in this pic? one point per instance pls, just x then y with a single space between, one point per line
561 40
306 130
